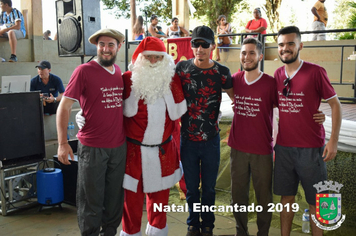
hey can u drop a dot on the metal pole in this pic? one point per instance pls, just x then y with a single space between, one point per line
126 50
342 63
3 192
263 51
354 87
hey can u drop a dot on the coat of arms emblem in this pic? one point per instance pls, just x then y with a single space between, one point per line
328 206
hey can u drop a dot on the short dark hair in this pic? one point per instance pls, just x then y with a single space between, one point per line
290 30
153 17
8 2
254 41
174 18
158 27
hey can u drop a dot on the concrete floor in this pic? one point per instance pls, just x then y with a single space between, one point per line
52 221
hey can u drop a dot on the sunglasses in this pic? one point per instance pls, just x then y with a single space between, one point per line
198 44
287 86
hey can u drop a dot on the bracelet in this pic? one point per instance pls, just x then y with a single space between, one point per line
62 143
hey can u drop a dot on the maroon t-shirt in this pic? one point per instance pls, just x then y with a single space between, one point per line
307 87
251 129
100 95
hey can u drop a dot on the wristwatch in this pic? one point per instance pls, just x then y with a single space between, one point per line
55 100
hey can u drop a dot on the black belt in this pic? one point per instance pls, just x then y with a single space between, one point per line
134 141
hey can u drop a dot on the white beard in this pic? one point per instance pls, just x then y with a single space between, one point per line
151 81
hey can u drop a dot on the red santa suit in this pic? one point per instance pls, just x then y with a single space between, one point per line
152 164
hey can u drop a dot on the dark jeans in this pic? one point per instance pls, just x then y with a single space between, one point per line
202 157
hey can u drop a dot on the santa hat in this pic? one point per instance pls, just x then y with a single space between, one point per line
149 46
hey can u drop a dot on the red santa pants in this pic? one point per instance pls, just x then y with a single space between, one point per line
133 207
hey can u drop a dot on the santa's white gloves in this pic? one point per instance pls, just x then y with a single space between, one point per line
79 118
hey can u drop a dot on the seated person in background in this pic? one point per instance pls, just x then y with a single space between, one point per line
174 31
12 26
159 30
152 27
46 35
138 30
50 85
257 25
223 28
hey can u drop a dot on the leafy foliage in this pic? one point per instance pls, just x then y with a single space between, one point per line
272 8
347 9
213 8
163 9
352 19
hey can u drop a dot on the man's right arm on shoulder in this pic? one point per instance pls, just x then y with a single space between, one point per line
64 149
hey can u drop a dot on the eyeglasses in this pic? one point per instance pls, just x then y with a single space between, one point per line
287 86
198 44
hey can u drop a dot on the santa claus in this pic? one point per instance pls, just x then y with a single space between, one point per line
153 100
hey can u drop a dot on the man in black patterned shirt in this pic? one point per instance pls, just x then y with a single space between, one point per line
202 80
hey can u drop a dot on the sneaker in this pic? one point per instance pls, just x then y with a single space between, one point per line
13 58
193 231
206 231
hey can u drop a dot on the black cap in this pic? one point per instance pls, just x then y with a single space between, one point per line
204 33
44 65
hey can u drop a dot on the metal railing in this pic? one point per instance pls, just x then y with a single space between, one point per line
262 38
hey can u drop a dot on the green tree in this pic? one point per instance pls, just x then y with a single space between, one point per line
213 8
125 9
352 19
346 9
272 8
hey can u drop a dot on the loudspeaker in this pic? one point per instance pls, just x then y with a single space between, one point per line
76 22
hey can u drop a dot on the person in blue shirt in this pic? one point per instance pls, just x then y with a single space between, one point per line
14 24
50 85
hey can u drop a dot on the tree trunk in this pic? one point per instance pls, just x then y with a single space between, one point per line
272 8
133 16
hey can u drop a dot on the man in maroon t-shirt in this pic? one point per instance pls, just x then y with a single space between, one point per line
98 87
250 138
255 95
301 152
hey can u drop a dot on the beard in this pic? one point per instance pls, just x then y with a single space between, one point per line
254 66
151 81
293 59
106 63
